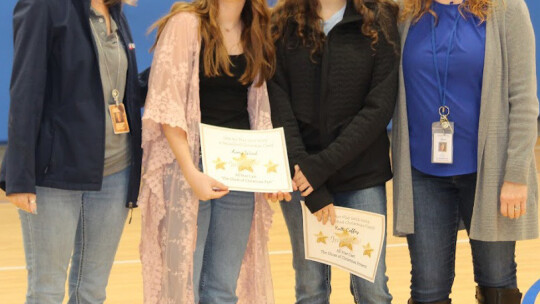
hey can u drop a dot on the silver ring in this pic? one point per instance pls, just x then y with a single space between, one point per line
32 201
517 208
444 111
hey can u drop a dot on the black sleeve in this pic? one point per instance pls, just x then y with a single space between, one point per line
318 199
282 112
370 121
31 28
143 84
283 116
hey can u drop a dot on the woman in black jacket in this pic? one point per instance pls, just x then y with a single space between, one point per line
73 159
334 92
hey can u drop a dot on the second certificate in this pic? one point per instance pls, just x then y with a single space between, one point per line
246 160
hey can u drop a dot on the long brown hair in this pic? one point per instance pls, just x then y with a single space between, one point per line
255 38
377 16
415 9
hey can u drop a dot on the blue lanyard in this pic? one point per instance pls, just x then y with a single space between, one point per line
443 86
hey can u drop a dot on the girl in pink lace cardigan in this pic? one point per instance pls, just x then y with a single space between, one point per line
217 60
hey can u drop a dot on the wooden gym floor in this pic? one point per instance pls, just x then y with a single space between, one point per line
125 285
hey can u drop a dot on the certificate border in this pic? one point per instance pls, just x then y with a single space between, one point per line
306 213
203 127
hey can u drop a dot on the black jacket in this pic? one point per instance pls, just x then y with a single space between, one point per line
56 132
335 111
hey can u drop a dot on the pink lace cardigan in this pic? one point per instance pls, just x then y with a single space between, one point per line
168 205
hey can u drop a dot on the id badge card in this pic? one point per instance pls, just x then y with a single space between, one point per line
119 118
442 147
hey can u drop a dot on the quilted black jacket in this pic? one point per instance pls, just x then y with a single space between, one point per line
336 105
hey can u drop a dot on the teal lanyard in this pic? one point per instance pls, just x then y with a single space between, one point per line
443 84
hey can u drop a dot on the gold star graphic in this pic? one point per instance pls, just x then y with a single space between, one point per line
367 250
244 163
346 240
321 238
219 164
271 167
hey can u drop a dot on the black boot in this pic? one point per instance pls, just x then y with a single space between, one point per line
449 301
486 295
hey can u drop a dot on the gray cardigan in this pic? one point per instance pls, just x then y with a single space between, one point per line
507 130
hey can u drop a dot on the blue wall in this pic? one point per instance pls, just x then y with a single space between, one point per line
141 18
534 7
6 53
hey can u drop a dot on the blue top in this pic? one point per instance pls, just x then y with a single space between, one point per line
463 90
329 24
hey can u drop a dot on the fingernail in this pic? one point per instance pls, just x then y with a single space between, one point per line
33 208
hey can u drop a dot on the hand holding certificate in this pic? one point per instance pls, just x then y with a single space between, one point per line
246 160
354 243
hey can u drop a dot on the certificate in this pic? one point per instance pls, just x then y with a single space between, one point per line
353 244
246 160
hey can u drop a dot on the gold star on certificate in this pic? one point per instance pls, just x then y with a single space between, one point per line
321 238
219 164
346 240
367 250
244 163
271 167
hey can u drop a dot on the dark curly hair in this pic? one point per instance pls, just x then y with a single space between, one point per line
378 16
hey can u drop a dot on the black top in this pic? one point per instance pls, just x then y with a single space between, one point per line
57 127
224 99
335 111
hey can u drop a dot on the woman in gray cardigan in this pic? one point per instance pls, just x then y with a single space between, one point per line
463 142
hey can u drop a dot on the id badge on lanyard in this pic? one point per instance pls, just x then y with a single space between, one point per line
442 131
442 139
117 111
118 115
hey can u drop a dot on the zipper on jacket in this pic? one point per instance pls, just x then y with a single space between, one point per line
323 105
96 57
350 16
130 205
124 42
53 154
325 72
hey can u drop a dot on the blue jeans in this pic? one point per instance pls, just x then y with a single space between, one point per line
84 227
440 203
313 278
222 236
